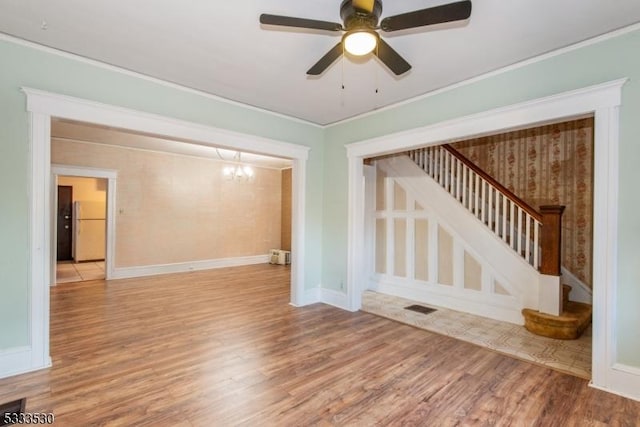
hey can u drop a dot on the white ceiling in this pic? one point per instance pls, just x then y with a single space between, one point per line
83 132
220 48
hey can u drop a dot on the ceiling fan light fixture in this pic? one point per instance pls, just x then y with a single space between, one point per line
360 42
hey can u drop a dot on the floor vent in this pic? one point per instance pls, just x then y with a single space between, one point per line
420 309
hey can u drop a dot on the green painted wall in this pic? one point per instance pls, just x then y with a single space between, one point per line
327 167
28 67
608 60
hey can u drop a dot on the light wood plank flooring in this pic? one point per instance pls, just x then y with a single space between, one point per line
223 347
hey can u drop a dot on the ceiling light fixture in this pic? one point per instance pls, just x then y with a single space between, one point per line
360 41
238 171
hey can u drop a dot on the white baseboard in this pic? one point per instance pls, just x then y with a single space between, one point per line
183 267
326 296
334 298
623 380
311 296
580 292
503 308
18 360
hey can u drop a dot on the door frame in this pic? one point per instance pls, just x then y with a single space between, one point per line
603 102
85 172
41 107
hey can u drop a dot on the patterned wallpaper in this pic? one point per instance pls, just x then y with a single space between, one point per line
548 165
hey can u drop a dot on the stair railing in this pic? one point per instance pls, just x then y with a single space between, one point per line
510 218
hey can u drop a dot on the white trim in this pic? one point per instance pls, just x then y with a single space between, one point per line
42 106
603 101
39 218
335 298
183 267
501 307
548 109
310 296
150 150
18 360
298 229
356 261
623 380
326 296
580 292
86 172
145 77
67 107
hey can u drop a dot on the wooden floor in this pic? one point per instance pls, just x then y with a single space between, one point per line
223 347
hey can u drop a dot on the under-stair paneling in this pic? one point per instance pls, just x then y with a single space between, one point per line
472 273
381 246
400 247
421 261
445 257
499 289
548 165
430 249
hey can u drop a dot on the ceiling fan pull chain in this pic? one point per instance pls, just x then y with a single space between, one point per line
342 77
342 67
377 75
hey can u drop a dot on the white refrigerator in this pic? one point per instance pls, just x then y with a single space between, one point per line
90 231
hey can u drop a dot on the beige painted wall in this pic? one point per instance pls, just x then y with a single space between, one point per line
92 189
174 208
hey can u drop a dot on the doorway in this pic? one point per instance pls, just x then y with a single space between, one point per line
601 101
42 107
81 228
91 223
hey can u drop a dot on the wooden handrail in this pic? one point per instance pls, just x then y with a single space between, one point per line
517 200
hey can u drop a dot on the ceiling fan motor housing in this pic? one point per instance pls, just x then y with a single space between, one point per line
354 18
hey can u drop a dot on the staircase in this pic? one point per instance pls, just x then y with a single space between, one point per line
515 251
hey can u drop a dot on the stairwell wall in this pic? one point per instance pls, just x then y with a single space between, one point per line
547 165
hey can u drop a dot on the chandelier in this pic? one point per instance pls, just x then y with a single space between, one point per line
238 171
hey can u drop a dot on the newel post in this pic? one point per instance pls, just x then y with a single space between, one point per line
551 240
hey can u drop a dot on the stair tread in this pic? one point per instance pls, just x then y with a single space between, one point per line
570 324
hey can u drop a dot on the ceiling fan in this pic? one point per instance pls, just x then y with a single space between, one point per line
360 21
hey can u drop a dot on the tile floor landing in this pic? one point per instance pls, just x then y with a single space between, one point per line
568 356
69 271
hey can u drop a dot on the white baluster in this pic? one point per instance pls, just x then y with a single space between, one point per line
483 202
496 215
423 154
447 171
536 248
441 177
489 203
520 230
432 155
505 201
529 252
512 223
465 184
477 194
459 179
